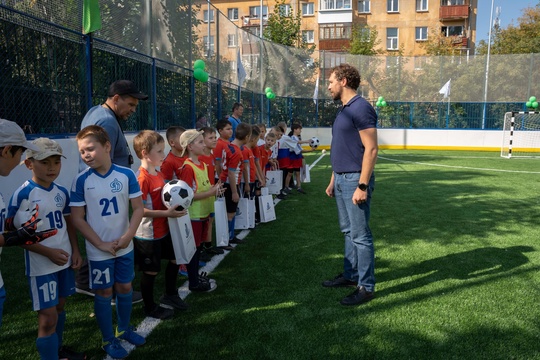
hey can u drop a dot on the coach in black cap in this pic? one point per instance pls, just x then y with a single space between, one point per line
122 100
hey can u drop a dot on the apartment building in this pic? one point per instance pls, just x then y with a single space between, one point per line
401 24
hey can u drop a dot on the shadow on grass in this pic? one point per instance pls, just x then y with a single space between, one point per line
463 265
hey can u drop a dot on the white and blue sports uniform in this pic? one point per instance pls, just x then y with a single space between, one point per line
106 198
2 222
48 281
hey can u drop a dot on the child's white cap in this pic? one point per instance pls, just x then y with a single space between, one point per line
12 134
45 147
187 138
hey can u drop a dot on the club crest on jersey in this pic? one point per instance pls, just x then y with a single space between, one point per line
116 186
59 200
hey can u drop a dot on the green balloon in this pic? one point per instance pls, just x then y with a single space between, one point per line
532 99
378 104
535 104
528 104
268 90
380 98
199 64
199 74
270 95
383 103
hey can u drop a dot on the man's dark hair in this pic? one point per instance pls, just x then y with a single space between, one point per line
346 71
14 148
236 105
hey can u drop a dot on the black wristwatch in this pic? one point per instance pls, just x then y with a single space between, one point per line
362 186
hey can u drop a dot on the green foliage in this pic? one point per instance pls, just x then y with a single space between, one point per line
284 29
439 45
516 39
364 40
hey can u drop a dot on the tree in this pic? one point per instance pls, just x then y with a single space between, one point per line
364 40
520 39
438 45
284 26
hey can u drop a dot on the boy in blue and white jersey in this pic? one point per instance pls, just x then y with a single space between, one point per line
12 144
100 199
49 264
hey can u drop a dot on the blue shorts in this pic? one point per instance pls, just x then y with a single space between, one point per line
46 290
104 273
2 299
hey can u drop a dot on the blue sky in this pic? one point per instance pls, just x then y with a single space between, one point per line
510 12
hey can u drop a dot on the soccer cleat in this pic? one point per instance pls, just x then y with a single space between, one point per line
205 284
226 247
214 250
160 313
236 240
174 301
114 349
130 336
203 276
69 354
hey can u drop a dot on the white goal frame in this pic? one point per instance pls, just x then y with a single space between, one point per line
521 135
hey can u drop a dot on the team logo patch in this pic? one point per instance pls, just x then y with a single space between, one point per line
116 186
59 200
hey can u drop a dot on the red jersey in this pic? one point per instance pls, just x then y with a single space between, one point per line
151 185
232 161
172 166
264 156
249 158
210 166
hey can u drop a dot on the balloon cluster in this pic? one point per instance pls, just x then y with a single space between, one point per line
269 93
532 103
198 71
381 102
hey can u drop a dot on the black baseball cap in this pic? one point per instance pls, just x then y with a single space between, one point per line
126 87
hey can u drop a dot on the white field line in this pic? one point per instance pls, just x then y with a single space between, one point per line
458 167
149 323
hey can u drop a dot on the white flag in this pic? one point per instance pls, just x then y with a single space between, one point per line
445 90
316 92
240 69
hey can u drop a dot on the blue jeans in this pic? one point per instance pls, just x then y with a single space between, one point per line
359 259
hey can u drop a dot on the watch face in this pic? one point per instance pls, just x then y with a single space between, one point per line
362 187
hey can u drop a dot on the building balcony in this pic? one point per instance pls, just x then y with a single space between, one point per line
453 12
334 44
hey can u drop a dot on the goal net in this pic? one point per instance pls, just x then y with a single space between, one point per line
521 134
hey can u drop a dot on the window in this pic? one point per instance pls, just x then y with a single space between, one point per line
255 12
335 4
421 33
391 38
452 2
308 36
334 31
232 40
336 60
392 5
206 15
308 9
452 31
421 5
232 14
208 46
285 10
363 6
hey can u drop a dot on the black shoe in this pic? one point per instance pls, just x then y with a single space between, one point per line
281 197
205 256
69 354
359 296
236 240
339 281
136 297
160 313
174 301
214 250
228 247
301 191
204 285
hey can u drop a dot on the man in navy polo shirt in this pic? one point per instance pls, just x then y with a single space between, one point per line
353 155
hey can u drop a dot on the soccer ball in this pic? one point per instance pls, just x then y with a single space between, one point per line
177 194
314 142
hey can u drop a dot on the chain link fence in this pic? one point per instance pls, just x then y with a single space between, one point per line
50 73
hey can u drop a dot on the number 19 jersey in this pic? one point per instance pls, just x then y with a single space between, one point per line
106 198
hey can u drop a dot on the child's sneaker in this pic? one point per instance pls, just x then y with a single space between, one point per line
114 349
174 301
130 336
204 285
66 353
182 270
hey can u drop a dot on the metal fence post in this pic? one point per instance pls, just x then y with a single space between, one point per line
154 94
